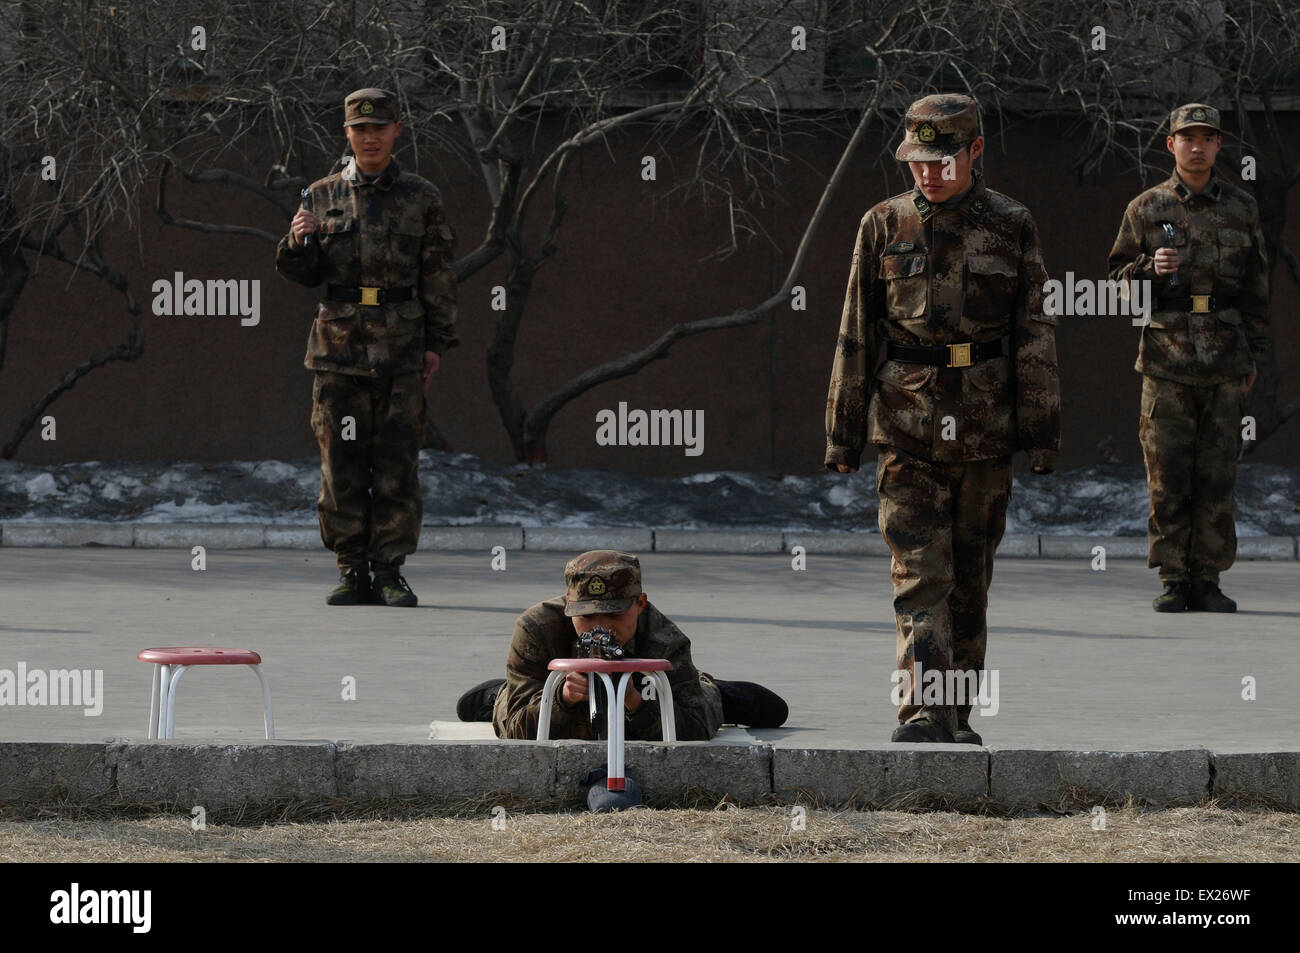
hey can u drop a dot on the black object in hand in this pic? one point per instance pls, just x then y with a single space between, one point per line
306 203
600 643
1172 238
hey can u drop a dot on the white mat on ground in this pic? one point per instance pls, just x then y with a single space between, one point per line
482 731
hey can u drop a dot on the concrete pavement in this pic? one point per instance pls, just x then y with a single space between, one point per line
1082 661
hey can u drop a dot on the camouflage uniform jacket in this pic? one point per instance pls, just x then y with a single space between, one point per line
1221 253
544 632
925 274
388 233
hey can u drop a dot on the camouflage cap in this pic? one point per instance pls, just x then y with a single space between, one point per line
601 581
370 105
1193 114
939 126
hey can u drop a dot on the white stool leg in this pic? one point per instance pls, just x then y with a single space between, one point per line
170 715
614 736
155 691
548 701
268 720
667 717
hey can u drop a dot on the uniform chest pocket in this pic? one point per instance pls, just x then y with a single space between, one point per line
1234 251
905 285
991 285
334 227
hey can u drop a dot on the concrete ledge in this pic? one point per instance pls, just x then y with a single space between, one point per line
1020 546
1274 775
446 769
717 541
668 773
68 534
1080 547
1266 547
293 537
541 539
223 775
882 776
36 770
470 538
207 535
847 544
1025 779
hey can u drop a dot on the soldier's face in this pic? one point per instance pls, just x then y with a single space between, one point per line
940 181
622 624
372 144
1194 149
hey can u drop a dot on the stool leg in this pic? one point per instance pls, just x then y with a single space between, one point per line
170 716
155 691
667 717
614 734
268 719
548 701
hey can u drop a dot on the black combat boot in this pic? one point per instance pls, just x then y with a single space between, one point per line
478 703
353 588
390 588
966 735
744 703
924 730
1206 597
1174 598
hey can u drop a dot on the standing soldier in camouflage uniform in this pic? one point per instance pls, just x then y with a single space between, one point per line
603 588
1198 356
947 363
380 245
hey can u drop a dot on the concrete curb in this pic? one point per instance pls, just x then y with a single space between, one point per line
956 776
567 540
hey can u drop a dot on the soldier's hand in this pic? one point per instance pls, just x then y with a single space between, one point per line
431 362
845 468
304 223
1166 261
631 697
574 691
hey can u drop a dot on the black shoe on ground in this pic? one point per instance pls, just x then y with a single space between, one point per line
353 589
744 703
1206 597
478 703
1174 599
966 735
922 731
390 589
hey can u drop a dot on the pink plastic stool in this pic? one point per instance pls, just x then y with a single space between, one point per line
171 665
656 667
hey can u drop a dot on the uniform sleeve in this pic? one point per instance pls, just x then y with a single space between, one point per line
1129 258
438 281
1038 388
519 702
297 262
697 703
855 358
1252 300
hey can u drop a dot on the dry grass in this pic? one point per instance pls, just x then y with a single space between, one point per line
724 834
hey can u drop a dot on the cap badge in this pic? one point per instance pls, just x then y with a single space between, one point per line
596 587
366 107
1198 113
925 132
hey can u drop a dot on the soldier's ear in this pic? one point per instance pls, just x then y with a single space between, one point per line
398 131
1169 143
976 148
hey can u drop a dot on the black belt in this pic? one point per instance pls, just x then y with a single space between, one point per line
945 355
1197 304
368 297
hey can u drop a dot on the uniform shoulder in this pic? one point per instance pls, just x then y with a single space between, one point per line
544 615
1002 204
892 207
417 185
328 182
1240 196
1160 194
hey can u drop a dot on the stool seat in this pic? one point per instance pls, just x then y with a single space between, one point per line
200 655
610 665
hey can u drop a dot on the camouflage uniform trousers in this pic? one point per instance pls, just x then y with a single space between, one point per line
1191 438
370 506
943 523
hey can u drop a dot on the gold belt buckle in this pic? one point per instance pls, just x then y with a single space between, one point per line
1200 304
369 297
959 355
